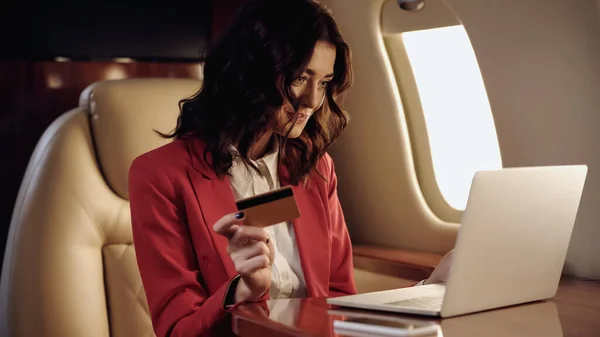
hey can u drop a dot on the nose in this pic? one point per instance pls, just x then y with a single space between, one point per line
312 97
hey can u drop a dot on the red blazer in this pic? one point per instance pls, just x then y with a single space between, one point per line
175 199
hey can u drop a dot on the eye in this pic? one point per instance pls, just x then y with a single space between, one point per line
323 84
300 79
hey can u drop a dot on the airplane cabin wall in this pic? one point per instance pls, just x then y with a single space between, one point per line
540 61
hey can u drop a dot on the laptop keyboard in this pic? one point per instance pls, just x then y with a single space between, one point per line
427 302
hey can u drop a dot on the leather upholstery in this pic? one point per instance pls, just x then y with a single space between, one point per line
124 115
69 267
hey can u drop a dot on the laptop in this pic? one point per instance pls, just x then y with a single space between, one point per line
510 249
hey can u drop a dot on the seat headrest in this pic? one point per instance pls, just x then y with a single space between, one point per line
124 115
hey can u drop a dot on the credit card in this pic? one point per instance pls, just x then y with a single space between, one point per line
269 208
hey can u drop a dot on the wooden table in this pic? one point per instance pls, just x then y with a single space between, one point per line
574 311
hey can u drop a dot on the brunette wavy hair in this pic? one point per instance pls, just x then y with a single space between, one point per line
247 79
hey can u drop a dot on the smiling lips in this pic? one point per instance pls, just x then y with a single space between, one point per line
302 117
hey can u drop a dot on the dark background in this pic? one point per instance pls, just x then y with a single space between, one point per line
164 39
99 30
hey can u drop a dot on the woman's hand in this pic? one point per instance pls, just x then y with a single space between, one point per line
440 273
252 253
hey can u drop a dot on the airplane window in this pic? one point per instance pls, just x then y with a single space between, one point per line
458 119
420 101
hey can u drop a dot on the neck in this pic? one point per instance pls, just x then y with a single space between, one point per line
262 146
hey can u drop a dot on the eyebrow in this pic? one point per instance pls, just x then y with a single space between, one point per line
313 73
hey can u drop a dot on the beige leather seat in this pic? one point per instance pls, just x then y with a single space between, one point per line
69 269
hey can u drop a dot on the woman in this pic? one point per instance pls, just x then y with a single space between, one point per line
265 116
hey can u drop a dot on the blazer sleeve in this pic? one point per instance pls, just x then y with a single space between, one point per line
341 278
179 305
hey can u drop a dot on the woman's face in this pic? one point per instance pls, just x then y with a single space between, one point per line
309 88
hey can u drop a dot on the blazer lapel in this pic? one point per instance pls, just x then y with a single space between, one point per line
311 236
215 199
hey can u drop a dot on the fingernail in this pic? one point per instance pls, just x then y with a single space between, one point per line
239 215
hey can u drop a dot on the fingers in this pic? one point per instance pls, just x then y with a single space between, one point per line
441 271
229 224
250 251
249 247
246 267
271 247
252 257
246 234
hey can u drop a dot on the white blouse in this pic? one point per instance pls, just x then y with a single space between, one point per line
287 279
